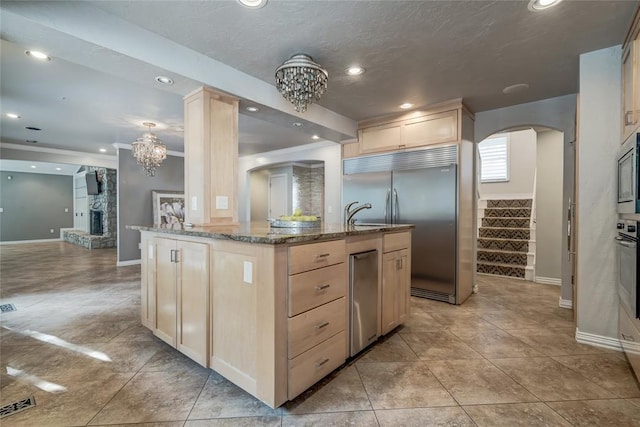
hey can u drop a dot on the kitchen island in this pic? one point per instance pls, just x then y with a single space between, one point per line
267 308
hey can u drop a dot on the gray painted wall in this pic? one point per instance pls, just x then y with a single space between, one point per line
597 183
549 213
555 113
522 167
259 187
33 204
134 197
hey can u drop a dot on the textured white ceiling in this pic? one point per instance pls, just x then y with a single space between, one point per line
107 53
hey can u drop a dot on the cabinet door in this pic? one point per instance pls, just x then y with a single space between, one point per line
389 304
147 289
430 129
193 300
379 138
629 83
403 288
165 290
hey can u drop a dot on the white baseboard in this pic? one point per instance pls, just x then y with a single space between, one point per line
18 242
598 340
129 262
565 303
548 280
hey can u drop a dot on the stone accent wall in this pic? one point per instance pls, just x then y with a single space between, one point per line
107 202
308 190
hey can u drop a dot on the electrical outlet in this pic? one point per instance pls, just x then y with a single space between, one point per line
222 202
194 203
139 245
248 272
329 209
51 231
66 209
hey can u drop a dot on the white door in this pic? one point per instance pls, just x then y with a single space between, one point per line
278 196
80 203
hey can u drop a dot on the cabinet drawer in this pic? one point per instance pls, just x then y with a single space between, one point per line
314 364
309 329
379 138
316 287
396 241
316 255
431 129
630 340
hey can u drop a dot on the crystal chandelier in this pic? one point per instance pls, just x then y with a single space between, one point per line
149 151
301 81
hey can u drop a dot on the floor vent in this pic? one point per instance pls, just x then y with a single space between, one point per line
18 406
5 308
438 296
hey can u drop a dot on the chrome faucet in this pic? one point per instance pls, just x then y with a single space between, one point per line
346 211
350 214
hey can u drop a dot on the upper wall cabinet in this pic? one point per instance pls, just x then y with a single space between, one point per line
631 80
435 125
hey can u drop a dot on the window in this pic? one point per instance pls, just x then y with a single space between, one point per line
494 157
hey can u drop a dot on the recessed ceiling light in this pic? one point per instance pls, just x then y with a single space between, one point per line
297 124
164 80
406 105
40 56
252 109
13 116
520 87
103 150
315 137
355 71
253 4
32 128
536 5
58 169
33 166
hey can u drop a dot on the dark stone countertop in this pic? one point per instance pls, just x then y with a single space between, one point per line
262 233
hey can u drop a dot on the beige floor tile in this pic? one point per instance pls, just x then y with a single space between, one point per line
167 424
474 382
496 344
168 359
81 398
237 422
462 321
515 415
152 397
616 412
554 342
441 345
339 392
424 417
421 321
222 399
391 349
333 419
634 402
550 380
609 371
130 356
402 385
509 319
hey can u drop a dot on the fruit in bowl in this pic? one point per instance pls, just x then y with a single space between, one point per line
297 216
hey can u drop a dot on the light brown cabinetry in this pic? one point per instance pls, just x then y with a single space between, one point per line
630 339
631 81
419 129
396 280
182 296
317 310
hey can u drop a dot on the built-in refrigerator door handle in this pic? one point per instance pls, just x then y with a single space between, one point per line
386 206
395 206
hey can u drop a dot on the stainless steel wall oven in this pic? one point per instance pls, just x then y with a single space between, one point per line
627 241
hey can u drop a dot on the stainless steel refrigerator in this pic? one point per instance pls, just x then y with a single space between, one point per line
421 189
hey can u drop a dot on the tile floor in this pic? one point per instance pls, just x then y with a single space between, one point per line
506 357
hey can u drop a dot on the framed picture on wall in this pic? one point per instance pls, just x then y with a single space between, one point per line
168 207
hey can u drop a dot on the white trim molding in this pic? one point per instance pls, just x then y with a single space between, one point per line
565 303
548 280
128 263
18 242
598 340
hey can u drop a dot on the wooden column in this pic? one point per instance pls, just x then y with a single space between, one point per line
210 158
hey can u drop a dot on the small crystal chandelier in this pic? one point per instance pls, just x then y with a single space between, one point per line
301 81
149 151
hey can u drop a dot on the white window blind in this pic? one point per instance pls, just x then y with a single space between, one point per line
494 156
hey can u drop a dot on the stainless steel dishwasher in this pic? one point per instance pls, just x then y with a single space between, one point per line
363 310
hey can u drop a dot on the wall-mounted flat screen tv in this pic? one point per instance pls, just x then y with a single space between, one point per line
94 186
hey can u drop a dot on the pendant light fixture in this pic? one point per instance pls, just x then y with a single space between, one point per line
149 151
